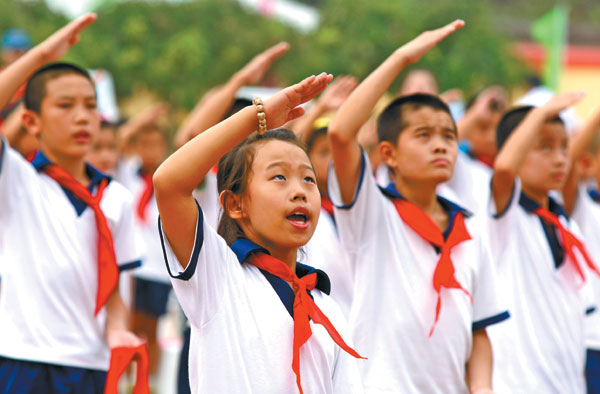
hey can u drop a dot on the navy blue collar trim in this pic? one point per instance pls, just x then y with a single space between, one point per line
243 248
450 207
40 161
530 205
594 194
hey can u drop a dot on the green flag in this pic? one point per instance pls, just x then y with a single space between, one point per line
550 30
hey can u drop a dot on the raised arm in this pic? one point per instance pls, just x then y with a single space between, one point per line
330 100
492 99
177 176
51 49
348 120
513 152
145 118
213 108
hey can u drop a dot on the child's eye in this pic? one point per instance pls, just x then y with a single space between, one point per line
279 177
309 179
64 105
92 105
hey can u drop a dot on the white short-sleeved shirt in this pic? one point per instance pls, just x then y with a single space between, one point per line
394 302
154 267
324 251
586 214
242 332
470 183
541 348
48 253
207 195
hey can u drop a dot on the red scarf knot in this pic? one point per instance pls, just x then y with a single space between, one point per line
443 275
304 308
569 242
120 357
108 271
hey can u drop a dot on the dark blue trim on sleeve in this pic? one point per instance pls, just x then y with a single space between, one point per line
129 266
498 215
191 268
590 310
481 324
360 182
2 152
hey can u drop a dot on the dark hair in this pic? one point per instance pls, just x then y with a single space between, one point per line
234 171
35 91
512 119
314 136
391 121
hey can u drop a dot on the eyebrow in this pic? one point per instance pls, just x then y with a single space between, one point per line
91 97
286 164
452 130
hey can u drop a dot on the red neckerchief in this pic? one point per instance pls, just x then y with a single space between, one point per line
145 197
108 271
569 242
487 160
327 205
304 307
443 276
120 357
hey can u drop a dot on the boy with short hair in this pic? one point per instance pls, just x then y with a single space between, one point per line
542 265
422 296
66 232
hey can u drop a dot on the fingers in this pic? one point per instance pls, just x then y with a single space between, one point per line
562 101
79 24
443 32
295 113
277 50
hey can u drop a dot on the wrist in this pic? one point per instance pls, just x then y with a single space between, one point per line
483 390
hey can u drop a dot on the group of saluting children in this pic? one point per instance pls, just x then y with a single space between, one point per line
315 277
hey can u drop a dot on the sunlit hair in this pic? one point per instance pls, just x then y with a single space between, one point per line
234 171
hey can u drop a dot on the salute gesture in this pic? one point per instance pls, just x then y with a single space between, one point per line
419 46
51 49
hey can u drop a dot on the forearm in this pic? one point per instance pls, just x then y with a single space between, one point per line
304 126
479 366
186 168
17 73
358 107
116 313
209 112
582 139
521 140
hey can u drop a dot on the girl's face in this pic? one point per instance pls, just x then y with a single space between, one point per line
280 207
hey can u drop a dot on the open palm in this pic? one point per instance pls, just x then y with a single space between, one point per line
284 106
59 43
416 48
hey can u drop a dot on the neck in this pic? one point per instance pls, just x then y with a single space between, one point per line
539 196
421 194
74 166
288 256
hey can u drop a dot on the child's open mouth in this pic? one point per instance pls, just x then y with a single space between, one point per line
298 220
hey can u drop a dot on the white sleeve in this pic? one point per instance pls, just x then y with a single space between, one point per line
358 221
487 308
211 271
128 245
17 178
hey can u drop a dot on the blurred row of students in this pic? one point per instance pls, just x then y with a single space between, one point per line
455 257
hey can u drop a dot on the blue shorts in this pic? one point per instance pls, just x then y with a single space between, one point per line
151 297
592 371
29 377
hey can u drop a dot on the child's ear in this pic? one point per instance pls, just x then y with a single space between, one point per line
388 153
32 122
231 204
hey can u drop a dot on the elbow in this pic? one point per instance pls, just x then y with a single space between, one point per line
337 137
160 180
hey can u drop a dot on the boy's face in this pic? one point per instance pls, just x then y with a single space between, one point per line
68 121
151 147
320 155
104 154
426 148
545 166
